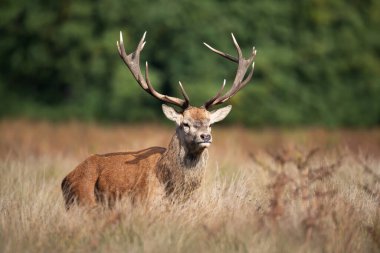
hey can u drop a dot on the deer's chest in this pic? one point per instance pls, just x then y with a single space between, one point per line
192 178
186 180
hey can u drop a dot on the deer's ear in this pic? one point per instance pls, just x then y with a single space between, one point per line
171 114
220 114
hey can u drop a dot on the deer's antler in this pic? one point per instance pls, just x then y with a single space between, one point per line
239 81
132 61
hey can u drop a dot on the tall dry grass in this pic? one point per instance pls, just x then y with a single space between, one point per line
264 191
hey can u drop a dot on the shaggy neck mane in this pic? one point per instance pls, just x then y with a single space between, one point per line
180 169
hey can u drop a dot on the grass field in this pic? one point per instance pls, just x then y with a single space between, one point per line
264 191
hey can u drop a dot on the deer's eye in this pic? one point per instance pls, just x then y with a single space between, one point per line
186 125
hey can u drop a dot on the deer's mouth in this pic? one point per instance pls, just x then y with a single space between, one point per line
204 143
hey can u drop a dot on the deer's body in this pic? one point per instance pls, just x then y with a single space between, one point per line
156 172
105 178
150 173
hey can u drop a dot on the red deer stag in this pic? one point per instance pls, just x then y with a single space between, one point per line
173 171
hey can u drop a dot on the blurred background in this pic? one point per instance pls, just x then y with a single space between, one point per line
318 61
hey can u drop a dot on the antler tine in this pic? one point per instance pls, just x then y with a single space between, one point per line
142 42
208 103
240 54
239 81
133 63
184 94
229 57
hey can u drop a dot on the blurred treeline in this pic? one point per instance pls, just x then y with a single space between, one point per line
318 61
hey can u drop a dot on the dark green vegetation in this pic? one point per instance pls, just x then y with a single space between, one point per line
318 61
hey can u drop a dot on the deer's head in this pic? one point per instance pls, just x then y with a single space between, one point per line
193 123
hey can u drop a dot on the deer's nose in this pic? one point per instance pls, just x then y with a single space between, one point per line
206 137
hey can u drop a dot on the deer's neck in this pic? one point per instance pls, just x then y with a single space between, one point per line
186 159
180 169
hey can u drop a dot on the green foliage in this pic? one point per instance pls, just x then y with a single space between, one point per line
318 61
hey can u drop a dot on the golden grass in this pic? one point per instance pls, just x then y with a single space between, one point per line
264 191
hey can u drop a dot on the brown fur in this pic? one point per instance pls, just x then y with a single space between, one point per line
107 177
197 114
150 173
